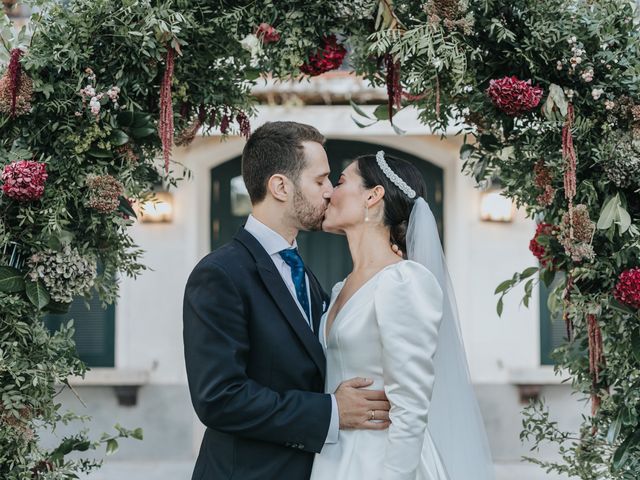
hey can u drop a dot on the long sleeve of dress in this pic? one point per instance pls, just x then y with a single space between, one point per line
408 305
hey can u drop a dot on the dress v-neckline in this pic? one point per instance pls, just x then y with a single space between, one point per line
348 301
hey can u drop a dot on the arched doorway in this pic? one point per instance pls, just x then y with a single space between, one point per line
327 255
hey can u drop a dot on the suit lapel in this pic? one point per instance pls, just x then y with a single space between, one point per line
316 301
283 299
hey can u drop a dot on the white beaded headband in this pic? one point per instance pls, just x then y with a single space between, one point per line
395 179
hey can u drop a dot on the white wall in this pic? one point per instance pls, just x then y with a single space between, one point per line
480 254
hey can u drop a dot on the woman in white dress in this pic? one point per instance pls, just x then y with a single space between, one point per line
395 322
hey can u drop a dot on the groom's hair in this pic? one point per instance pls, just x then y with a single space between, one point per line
275 148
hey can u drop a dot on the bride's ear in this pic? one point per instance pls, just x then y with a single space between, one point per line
375 195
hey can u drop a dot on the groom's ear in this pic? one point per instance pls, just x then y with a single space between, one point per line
278 187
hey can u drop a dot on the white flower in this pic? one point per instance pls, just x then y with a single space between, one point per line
574 39
88 91
596 93
437 62
252 44
587 75
569 93
559 65
468 88
609 104
94 104
113 93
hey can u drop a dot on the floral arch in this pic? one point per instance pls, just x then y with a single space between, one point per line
95 94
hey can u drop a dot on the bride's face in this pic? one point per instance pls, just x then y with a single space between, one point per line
347 205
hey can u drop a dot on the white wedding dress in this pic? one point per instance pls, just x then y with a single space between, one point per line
387 331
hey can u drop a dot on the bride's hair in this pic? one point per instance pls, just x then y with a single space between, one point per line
397 205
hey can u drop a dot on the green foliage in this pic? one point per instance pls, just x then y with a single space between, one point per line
448 53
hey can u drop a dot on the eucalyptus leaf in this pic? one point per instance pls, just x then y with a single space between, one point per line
359 110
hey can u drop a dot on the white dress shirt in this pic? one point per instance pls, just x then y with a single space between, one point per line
274 243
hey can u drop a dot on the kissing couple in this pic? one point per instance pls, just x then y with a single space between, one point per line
368 383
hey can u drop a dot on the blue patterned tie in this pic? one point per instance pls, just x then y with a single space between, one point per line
293 259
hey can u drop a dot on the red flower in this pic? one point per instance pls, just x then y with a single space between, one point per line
24 180
627 289
328 57
267 33
538 250
514 96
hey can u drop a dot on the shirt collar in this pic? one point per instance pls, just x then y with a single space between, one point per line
270 240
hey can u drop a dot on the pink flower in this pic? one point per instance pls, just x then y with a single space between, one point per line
627 290
24 180
328 57
267 33
514 96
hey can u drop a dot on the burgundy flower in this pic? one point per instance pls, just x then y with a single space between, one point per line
24 180
267 33
225 121
245 125
538 250
514 96
328 57
627 290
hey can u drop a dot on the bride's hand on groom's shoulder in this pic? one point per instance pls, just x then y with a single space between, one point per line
360 408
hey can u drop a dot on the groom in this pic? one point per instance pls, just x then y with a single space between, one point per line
252 311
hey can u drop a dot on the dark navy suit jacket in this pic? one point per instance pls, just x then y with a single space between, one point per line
255 369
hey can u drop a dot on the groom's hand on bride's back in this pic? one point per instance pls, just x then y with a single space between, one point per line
355 404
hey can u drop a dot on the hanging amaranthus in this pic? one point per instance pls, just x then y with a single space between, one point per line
570 159
394 88
566 298
16 88
165 123
244 124
596 359
224 124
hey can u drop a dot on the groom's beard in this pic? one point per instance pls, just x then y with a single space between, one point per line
309 216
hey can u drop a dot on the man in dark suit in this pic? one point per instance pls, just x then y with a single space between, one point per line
252 311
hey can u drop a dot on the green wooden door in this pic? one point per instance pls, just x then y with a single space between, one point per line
327 255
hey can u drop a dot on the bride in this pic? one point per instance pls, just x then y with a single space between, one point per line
395 322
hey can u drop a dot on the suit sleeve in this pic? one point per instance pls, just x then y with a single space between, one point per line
216 344
408 304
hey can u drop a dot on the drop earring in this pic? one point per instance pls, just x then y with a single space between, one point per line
366 213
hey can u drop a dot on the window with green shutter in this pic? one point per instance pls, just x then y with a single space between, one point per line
552 329
94 330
